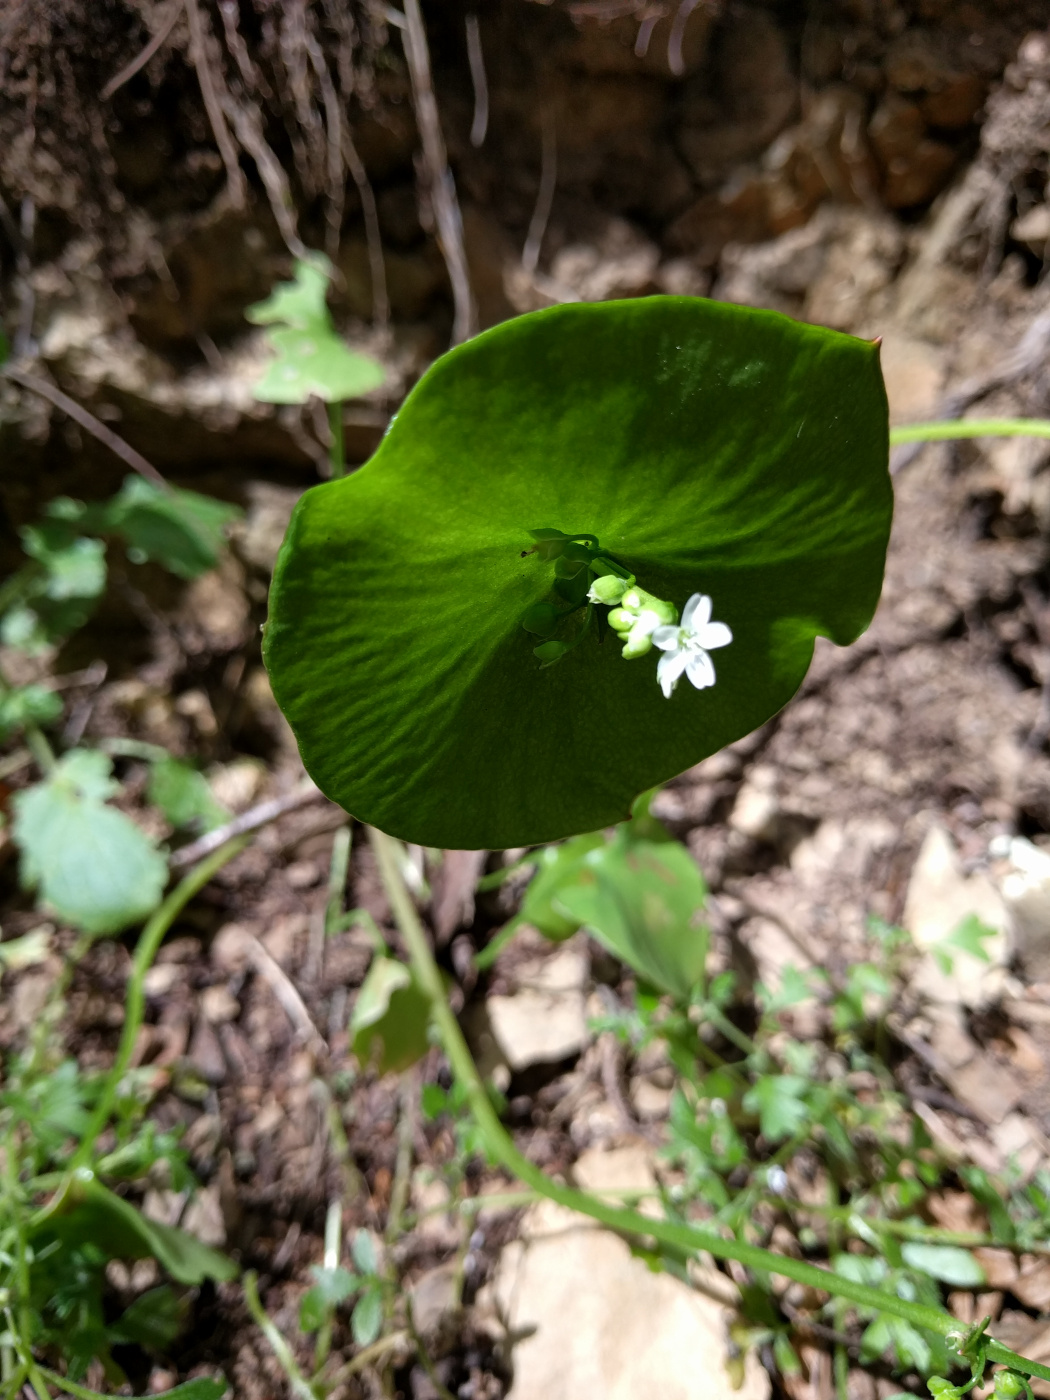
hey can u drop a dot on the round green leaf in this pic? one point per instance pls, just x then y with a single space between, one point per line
709 448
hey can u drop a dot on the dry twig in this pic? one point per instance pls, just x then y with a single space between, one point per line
476 58
260 815
213 105
86 420
155 44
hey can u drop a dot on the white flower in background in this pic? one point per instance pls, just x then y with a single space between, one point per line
687 646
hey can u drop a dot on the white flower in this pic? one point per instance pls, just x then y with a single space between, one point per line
687 646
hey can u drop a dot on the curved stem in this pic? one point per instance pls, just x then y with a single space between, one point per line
624 1221
969 428
135 1000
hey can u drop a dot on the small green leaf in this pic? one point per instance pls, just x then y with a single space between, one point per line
779 1101
944 1262
367 1317
153 1320
29 950
968 936
316 363
333 1287
89 1213
184 796
364 1252
28 704
709 448
182 530
389 1021
640 900
311 359
91 863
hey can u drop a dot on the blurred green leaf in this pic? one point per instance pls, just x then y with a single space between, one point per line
181 530
311 359
367 1318
27 704
640 899
969 936
184 795
89 1213
153 1320
779 1101
91 863
364 1252
944 1262
388 1025
333 1287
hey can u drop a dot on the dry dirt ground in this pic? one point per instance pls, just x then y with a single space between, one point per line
876 167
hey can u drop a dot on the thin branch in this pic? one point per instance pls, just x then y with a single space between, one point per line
442 187
283 988
87 421
333 128
136 65
476 59
530 255
373 235
213 106
248 129
251 820
675 60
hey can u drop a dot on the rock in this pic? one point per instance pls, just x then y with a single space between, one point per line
203 1217
257 538
435 1297
1033 229
914 373
990 1089
756 811
621 262
916 177
545 1020
939 898
595 1321
1024 882
896 128
219 1005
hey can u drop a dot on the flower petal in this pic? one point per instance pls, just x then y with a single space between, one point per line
669 671
690 609
667 638
712 635
646 623
700 669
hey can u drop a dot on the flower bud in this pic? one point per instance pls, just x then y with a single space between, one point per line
620 620
607 589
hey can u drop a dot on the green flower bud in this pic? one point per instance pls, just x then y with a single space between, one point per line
637 645
943 1389
607 589
1009 1385
620 620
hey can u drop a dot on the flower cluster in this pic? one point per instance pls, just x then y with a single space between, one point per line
643 621
586 577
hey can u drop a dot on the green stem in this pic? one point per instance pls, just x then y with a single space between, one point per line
336 453
969 428
624 1221
280 1348
135 1000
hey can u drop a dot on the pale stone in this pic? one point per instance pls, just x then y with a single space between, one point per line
757 806
545 1020
595 1321
1025 886
939 898
218 1004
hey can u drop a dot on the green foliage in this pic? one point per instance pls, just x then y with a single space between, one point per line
182 793
968 936
709 447
388 1025
25 705
310 359
944 1262
91 863
182 530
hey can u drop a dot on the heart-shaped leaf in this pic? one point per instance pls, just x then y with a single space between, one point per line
710 449
390 1017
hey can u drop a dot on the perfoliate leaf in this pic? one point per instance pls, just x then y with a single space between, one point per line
711 449
333 1287
75 568
91 863
388 1025
640 899
299 303
557 867
183 795
944 1262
